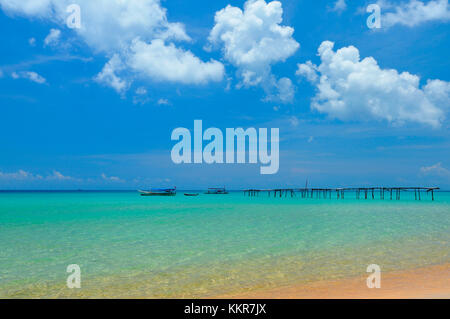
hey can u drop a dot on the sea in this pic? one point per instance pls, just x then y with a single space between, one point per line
129 246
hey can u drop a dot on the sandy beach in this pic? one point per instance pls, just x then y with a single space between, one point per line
430 282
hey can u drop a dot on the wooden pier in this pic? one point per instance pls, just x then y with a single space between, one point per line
328 193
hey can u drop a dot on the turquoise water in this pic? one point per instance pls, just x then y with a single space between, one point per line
132 246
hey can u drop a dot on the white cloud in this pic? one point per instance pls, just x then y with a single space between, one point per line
253 40
58 176
25 179
141 96
110 28
436 170
414 12
109 77
29 75
438 92
22 175
120 22
38 8
141 91
32 42
349 88
123 28
339 6
111 178
52 38
33 76
308 70
163 102
294 121
284 90
19 175
161 62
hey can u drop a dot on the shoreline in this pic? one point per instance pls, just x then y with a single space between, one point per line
429 282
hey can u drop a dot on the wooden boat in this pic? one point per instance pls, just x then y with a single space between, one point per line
159 192
191 194
216 191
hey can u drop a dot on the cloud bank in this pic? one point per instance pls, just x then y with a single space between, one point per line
135 36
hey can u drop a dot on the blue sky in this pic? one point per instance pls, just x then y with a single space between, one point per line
94 108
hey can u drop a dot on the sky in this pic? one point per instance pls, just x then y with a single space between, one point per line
93 105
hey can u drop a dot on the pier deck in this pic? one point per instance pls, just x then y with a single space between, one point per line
360 192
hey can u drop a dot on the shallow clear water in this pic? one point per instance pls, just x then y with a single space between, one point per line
132 246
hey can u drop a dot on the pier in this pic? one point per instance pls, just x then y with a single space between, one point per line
329 193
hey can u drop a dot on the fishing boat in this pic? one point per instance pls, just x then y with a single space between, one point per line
191 194
159 192
216 191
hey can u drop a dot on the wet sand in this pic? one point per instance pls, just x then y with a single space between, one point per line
430 282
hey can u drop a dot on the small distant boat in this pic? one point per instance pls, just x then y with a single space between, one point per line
159 192
191 194
216 191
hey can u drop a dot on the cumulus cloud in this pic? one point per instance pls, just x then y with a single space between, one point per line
349 88
112 27
167 63
52 38
109 77
32 42
29 75
438 92
253 40
414 12
435 170
283 91
122 29
38 8
308 70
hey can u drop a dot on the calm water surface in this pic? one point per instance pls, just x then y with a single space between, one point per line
132 246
